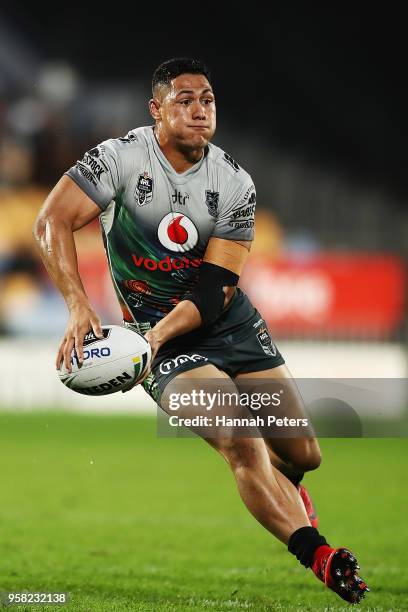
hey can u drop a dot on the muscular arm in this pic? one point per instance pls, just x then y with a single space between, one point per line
185 317
66 210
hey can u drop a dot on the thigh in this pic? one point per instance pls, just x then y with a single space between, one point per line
236 444
302 449
195 394
189 380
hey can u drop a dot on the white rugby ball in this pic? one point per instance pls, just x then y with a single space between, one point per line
110 364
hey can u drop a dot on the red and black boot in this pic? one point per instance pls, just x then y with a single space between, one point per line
338 569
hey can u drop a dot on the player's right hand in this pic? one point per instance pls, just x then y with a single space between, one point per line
82 319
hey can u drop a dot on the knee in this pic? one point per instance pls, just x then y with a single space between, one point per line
307 456
241 453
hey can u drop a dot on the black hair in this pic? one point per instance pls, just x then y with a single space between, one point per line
169 70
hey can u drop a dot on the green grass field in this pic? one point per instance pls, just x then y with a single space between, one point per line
99 507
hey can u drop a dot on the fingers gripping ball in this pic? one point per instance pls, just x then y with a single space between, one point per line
117 361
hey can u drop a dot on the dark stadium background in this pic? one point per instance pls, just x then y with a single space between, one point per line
313 103
318 82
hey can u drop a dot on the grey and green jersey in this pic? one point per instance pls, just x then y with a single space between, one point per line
156 222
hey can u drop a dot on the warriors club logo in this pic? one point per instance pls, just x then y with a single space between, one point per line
211 199
177 232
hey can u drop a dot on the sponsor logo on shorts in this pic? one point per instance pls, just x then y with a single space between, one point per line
144 189
265 341
169 365
177 232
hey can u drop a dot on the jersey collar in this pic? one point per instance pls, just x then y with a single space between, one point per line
176 177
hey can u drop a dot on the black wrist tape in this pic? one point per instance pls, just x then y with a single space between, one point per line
304 542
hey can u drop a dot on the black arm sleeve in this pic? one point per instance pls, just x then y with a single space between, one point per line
208 295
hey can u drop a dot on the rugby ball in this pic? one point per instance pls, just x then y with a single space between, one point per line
112 363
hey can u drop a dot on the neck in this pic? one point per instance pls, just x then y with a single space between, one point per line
181 159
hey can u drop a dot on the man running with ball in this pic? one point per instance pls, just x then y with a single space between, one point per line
177 215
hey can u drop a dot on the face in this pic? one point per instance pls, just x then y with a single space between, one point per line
185 111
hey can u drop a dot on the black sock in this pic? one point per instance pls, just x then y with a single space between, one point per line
296 479
303 542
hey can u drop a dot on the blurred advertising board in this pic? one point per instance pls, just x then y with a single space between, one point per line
356 296
340 295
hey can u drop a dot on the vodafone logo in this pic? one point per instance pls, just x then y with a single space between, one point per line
177 232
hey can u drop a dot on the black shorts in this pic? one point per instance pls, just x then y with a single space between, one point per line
238 342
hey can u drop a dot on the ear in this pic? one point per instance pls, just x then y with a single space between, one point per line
155 109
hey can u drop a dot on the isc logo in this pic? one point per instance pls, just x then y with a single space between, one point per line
95 352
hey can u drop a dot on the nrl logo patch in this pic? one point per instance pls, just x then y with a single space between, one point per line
211 199
144 189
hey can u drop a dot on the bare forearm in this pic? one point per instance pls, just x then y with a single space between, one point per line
185 317
66 209
56 243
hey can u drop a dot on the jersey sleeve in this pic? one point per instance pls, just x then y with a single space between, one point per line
98 174
236 216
